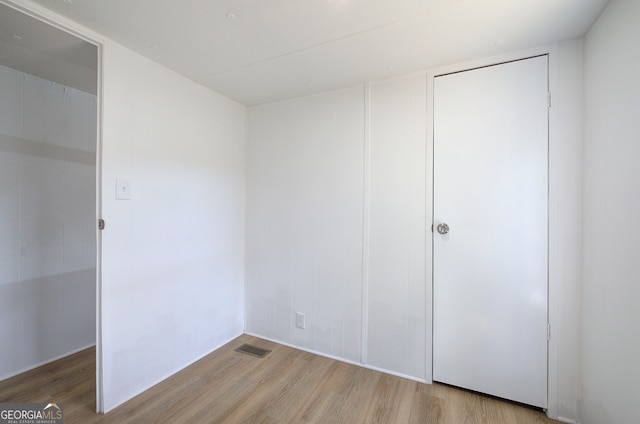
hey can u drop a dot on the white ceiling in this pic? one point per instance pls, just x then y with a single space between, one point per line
31 46
257 51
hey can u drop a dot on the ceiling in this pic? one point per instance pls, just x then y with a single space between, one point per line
258 51
31 46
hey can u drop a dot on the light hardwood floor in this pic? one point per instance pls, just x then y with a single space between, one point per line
287 386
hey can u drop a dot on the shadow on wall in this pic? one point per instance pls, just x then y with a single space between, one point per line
34 148
47 221
45 318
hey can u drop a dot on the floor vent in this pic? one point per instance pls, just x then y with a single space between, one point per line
253 350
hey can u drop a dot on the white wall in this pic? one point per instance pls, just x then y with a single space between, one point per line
565 219
304 221
173 255
396 283
47 211
324 192
610 368
289 174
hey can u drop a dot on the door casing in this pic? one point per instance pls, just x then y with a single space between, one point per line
559 212
50 18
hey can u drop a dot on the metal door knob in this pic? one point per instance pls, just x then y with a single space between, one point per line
443 228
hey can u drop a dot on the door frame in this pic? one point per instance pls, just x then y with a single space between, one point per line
50 18
553 207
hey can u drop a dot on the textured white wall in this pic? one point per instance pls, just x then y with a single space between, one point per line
304 221
396 283
610 368
47 221
173 255
320 197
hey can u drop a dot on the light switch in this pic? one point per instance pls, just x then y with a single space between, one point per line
123 189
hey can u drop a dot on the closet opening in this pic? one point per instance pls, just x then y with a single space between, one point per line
48 193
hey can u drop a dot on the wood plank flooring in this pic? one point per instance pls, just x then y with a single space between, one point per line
287 386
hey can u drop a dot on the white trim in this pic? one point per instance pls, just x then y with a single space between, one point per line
429 237
98 212
337 358
493 60
366 223
49 17
45 362
552 51
553 295
566 420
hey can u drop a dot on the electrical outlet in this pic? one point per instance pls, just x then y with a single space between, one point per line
300 320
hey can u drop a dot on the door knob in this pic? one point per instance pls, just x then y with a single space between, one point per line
443 228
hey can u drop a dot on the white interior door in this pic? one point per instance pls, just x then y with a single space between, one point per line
490 269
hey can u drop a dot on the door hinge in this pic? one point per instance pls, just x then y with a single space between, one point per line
548 332
432 228
101 224
549 99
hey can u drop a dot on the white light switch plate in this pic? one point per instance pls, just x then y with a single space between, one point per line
123 189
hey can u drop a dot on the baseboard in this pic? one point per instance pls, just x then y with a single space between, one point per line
171 373
45 362
337 358
566 420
